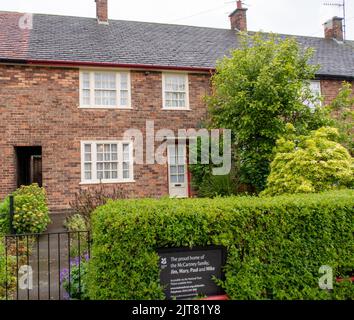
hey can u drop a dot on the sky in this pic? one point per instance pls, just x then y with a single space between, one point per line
298 17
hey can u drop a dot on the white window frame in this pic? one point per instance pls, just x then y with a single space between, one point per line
186 76
93 161
318 83
92 89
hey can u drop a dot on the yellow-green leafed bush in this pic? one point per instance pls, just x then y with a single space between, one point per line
275 245
310 164
31 209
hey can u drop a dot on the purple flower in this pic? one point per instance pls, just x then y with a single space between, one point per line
66 296
64 275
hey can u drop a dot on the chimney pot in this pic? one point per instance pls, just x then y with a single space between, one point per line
333 29
102 11
238 18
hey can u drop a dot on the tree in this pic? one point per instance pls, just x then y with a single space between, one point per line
258 90
340 113
313 163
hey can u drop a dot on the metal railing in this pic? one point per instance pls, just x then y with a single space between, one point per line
46 266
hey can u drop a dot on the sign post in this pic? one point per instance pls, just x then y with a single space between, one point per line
11 213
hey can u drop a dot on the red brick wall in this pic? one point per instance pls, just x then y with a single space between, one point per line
330 89
39 106
102 10
239 20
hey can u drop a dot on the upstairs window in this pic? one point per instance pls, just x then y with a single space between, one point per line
102 89
315 88
175 91
106 162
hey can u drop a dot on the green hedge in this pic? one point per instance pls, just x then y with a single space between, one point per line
275 245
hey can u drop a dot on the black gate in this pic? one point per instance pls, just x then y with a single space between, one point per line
46 266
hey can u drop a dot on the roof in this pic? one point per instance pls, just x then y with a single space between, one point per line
82 40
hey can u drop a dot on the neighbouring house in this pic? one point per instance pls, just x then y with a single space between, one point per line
70 87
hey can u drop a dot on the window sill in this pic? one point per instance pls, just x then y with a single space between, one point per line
176 109
107 182
105 107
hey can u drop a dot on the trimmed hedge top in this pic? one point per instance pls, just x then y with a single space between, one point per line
275 245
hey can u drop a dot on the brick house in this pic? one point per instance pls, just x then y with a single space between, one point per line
70 87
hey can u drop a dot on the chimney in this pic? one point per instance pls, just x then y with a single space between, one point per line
102 11
238 18
333 29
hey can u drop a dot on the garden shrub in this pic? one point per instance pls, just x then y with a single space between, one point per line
86 201
213 186
275 245
312 163
4 217
75 222
75 288
31 210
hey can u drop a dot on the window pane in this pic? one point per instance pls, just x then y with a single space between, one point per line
124 81
181 170
87 148
174 179
98 80
114 174
126 155
100 148
86 80
125 165
123 98
181 178
98 98
173 169
86 97
107 157
315 87
99 175
99 166
126 174
88 176
180 148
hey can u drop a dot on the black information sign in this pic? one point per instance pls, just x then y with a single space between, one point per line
188 273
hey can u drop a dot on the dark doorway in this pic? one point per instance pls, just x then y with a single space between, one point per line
29 165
